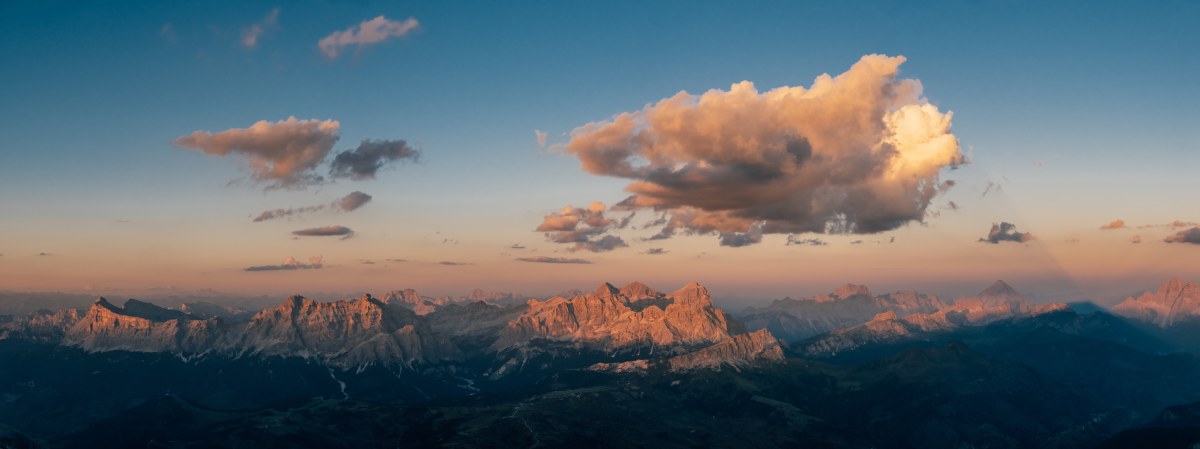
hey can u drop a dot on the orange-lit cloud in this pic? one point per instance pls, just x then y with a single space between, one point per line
857 153
283 154
368 32
582 228
1115 224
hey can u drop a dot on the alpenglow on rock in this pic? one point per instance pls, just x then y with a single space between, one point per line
1175 301
609 319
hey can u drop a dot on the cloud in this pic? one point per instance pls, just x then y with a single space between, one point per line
861 152
347 203
280 213
541 138
282 154
1115 224
796 240
544 259
396 260
371 155
452 264
655 251
368 32
1136 239
1006 232
325 231
1172 224
1185 236
740 239
584 228
290 263
251 33
352 201
45 254
168 32
517 246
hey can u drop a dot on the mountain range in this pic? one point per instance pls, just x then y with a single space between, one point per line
628 366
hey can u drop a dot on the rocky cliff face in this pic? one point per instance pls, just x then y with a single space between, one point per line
345 333
610 319
143 327
849 305
1174 302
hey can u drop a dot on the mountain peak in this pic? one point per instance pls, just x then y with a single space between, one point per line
637 289
100 301
1176 285
850 290
606 289
999 289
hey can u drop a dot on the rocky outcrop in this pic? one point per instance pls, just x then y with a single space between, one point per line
1175 301
411 300
849 305
345 333
609 319
143 327
738 351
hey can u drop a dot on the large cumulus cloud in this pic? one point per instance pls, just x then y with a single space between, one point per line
281 154
857 153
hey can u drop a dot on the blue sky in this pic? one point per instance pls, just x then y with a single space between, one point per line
1100 94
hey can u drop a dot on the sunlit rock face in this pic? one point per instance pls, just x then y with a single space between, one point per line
1175 301
143 327
636 316
345 333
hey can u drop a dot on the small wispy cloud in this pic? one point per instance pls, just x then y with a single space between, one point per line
252 33
563 260
168 33
291 263
347 203
452 263
541 138
369 32
1172 224
1115 224
793 240
655 251
365 161
1005 232
325 231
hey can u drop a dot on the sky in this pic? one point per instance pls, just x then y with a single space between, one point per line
763 149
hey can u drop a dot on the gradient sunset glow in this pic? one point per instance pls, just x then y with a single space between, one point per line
778 150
